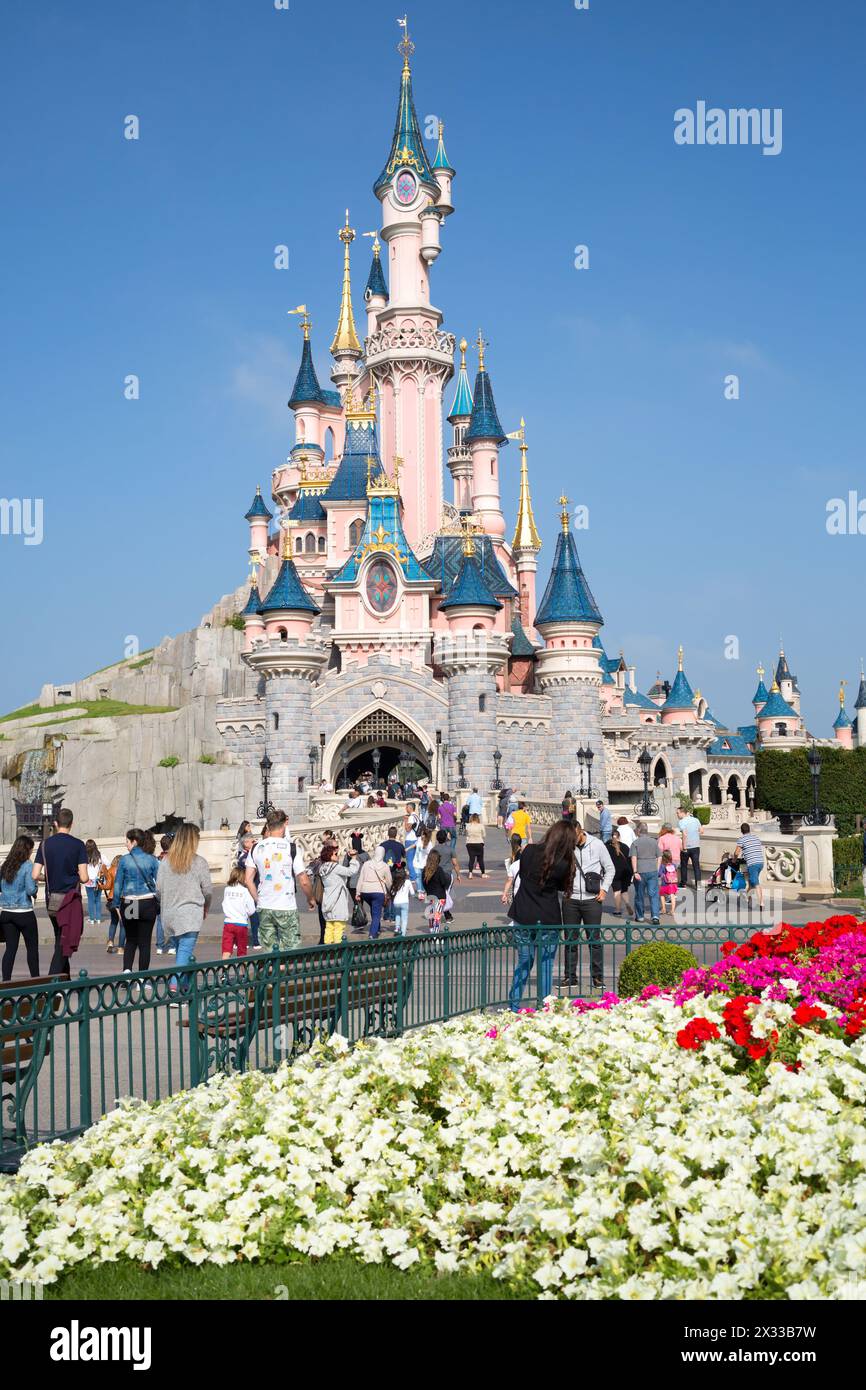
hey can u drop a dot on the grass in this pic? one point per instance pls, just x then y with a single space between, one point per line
137 665
336 1278
111 709
171 761
207 758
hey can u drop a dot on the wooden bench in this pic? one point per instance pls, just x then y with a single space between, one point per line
299 1009
25 1042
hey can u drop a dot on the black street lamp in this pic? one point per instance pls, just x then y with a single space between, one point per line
377 758
580 761
497 760
588 757
647 805
344 758
817 815
265 806
461 767
313 755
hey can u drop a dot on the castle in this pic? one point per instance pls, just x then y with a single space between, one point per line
382 616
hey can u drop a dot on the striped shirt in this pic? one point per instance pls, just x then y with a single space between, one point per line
753 850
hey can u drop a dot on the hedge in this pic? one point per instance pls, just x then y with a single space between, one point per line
655 963
785 786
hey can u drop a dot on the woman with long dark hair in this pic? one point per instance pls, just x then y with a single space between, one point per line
436 884
135 896
546 870
17 918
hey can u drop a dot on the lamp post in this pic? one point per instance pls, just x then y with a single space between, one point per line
47 816
322 742
588 757
497 760
313 755
265 806
647 805
580 761
377 758
817 815
461 767
344 759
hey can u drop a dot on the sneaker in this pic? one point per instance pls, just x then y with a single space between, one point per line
655 921
160 951
109 949
172 951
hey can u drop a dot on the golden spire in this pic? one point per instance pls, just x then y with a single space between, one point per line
842 685
405 46
481 345
774 687
680 658
526 535
563 515
463 345
287 545
306 321
761 672
346 338
468 532
360 410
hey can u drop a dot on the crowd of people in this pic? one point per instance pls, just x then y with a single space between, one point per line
166 890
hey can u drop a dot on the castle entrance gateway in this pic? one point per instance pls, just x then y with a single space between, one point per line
383 733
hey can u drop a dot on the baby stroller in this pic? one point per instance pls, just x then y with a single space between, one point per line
464 819
723 876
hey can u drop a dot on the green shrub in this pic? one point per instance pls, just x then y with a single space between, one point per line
685 802
655 963
207 758
235 621
784 785
170 761
703 814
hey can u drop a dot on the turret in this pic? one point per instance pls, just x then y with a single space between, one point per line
786 682
307 398
345 348
679 707
443 174
527 542
287 608
762 694
778 719
860 707
459 458
842 726
258 517
470 604
484 437
376 290
254 623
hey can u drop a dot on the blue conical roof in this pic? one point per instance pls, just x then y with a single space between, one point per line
258 508
776 707
306 389
860 702
440 159
376 279
841 721
383 533
252 607
462 407
568 597
349 483
484 423
761 695
407 147
470 588
682 696
287 592
521 645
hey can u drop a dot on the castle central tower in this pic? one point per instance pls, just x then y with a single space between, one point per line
409 356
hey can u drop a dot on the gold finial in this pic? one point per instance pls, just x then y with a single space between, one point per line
842 685
481 345
680 658
774 687
761 672
287 545
306 321
526 535
563 515
376 247
346 337
441 129
468 531
405 46
463 345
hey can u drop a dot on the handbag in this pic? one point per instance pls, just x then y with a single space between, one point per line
55 900
592 880
359 916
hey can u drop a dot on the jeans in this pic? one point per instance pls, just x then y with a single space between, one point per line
115 921
453 834
585 912
647 886
160 934
94 903
695 856
401 918
526 944
410 864
14 926
374 901
254 929
185 945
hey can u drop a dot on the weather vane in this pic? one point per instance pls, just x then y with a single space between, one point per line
346 233
405 46
481 345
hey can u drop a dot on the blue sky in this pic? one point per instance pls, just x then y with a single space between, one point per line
258 127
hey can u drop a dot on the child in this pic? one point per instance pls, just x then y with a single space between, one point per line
422 850
238 907
669 878
402 889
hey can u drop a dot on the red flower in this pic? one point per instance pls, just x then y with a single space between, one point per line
808 1013
696 1032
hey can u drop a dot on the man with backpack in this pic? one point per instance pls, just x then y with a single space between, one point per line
282 869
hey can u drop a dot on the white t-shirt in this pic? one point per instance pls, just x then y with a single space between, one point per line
238 904
403 894
273 859
627 836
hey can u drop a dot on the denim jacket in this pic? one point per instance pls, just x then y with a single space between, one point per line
21 891
136 875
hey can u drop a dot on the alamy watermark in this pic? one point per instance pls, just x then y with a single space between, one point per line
22 516
846 516
741 125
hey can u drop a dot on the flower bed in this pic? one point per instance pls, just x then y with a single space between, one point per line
634 1150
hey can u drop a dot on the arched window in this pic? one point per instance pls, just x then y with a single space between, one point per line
482 703
309 544
284 636
322 545
329 445
299 546
356 530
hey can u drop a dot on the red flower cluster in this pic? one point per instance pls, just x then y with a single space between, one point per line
808 1013
696 1032
738 1027
856 1021
785 940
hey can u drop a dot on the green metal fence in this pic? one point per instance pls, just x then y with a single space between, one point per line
70 1050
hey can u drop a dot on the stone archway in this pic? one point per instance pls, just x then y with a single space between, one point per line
382 728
